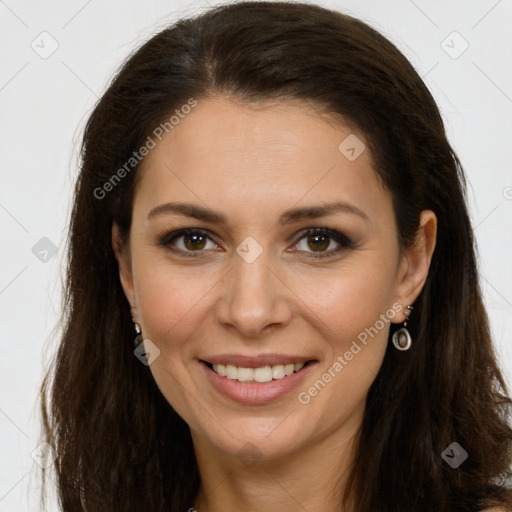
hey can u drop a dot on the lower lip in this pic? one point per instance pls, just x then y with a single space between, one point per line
253 393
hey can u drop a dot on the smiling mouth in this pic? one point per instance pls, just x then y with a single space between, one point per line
260 374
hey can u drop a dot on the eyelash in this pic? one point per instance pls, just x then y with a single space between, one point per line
340 238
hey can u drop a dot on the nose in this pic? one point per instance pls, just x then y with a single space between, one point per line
254 297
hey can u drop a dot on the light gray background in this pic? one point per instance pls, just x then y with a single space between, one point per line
44 103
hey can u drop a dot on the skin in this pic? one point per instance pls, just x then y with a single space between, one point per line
252 164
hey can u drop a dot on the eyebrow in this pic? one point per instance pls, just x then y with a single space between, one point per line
288 217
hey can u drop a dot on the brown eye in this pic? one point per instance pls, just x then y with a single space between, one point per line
319 242
187 241
194 241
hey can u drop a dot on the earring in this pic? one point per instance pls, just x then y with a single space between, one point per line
138 337
401 338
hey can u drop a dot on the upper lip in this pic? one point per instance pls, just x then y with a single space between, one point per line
245 361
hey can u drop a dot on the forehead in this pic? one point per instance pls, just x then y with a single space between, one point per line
225 153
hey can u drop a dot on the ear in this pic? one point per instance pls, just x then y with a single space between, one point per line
415 261
121 251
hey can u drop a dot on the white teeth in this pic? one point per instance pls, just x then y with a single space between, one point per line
245 374
288 369
220 369
278 371
231 372
261 374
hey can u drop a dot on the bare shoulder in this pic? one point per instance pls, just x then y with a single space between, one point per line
495 509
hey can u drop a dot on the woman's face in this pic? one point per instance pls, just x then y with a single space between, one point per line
249 287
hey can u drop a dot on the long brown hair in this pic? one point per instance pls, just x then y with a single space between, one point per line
118 443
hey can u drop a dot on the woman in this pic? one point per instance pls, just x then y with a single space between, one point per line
269 204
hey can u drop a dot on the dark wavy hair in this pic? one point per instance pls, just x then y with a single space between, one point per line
119 445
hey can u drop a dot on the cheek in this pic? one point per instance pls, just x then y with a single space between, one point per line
171 302
356 312
355 306
350 300
174 304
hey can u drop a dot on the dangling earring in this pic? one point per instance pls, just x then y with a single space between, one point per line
401 338
138 337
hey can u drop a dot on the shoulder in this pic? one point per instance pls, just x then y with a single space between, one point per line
495 509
